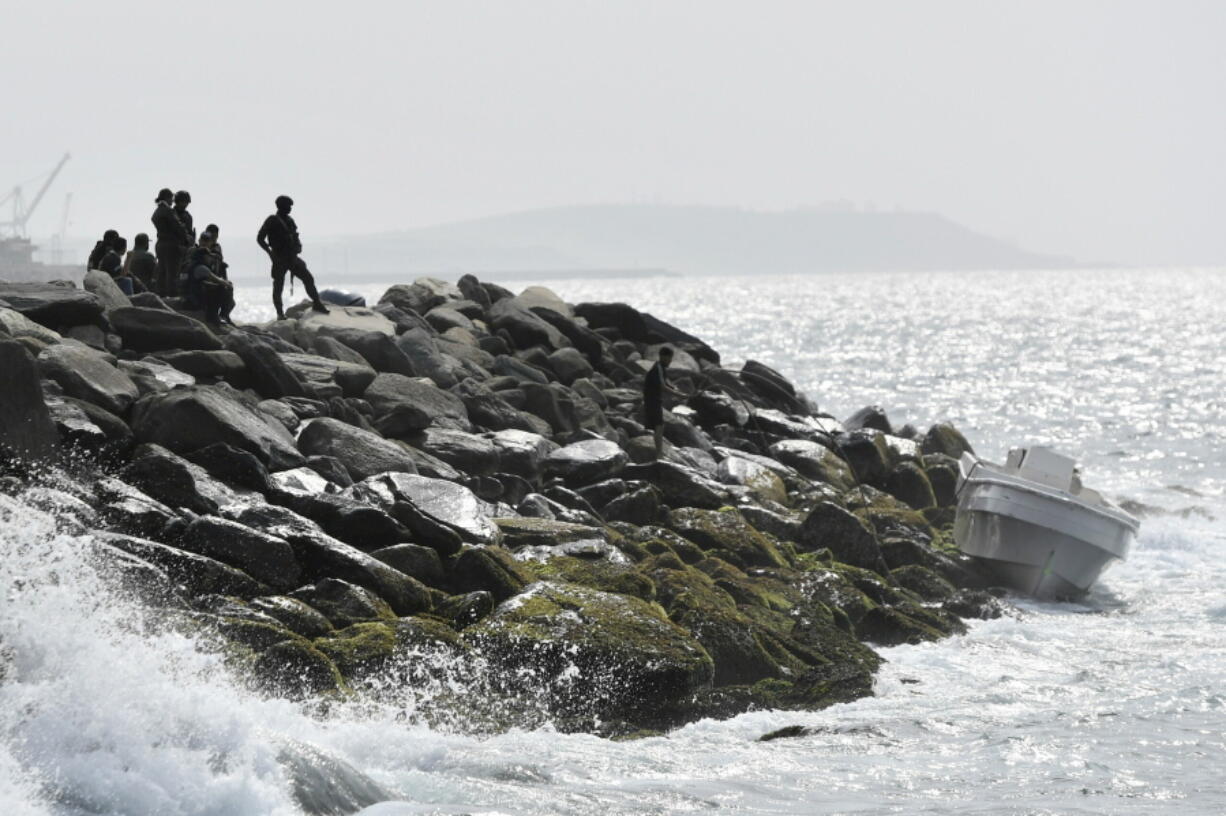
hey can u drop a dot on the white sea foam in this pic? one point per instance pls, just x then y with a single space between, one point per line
1113 705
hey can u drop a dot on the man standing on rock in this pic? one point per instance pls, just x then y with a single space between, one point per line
172 240
654 385
279 238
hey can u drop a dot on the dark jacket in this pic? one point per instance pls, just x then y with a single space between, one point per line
198 257
170 227
281 234
185 218
96 255
219 262
142 264
111 263
653 385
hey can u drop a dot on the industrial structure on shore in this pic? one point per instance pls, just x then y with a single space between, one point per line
16 250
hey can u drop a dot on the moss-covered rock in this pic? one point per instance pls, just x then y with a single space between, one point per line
909 484
464 610
681 587
734 644
253 634
886 515
522 531
360 649
847 536
489 569
420 632
606 576
832 588
296 669
725 533
945 438
941 519
942 472
595 653
294 615
885 626
814 461
343 603
923 582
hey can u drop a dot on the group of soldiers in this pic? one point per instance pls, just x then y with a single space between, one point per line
193 268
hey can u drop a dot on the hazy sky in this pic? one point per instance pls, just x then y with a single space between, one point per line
1095 129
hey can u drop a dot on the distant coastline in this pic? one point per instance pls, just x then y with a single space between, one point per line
686 240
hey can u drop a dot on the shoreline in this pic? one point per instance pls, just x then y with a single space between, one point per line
462 471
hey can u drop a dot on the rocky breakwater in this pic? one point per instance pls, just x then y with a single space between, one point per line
459 477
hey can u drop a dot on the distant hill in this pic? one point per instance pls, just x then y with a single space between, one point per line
687 240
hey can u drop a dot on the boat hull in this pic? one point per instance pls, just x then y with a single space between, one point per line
1037 541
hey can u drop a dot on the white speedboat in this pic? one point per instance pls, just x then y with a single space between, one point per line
1035 527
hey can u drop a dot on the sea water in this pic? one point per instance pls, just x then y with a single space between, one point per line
1113 705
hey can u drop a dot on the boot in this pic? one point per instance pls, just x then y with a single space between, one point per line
319 306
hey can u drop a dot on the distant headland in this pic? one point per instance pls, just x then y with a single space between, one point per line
690 240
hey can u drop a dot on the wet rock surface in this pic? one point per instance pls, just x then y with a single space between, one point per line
466 469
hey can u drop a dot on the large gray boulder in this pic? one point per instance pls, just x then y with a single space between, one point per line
177 483
627 320
570 365
16 325
188 419
428 359
153 330
52 305
104 287
762 481
198 574
435 407
945 438
353 378
420 296
586 462
814 461
442 318
322 556
262 556
218 365
474 455
270 376
489 410
154 376
451 503
363 453
524 327
310 324
679 485
87 374
334 349
26 428
522 452
377 349
634 661
849 538
88 428
871 417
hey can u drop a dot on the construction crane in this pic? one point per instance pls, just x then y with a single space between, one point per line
21 212
55 252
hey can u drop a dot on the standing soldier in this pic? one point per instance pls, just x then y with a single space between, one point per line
279 238
655 383
174 237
